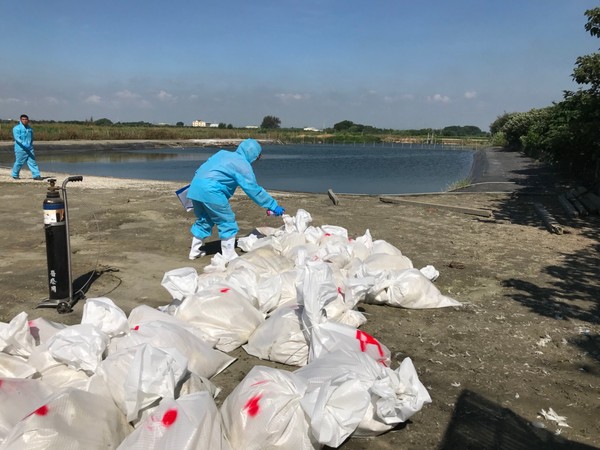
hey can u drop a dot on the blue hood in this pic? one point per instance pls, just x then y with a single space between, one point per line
250 149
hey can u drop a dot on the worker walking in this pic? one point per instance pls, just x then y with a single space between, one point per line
23 136
213 185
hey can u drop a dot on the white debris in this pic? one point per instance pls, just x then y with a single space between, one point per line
553 416
543 341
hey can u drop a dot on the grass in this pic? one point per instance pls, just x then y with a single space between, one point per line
465 182
61 131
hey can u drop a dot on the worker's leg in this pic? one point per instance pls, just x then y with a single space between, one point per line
222 215
201 229
32 164
20 159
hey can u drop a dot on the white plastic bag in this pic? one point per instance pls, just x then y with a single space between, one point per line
408 289
136 377
395 394
191 422
264 411
143 314
15 338
202 359
316 290
15 367
223 313
18 399
70 419
280 338
79 346
105 315
180 282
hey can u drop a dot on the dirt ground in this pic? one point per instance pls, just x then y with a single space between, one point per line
527 337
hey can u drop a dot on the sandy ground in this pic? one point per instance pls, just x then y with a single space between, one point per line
527 337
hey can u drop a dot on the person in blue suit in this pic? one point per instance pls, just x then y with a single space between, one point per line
23 135
213 184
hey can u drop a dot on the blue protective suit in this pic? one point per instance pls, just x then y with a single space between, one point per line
23 136
215 182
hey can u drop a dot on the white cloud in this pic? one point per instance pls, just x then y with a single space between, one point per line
398 98
291 97
93 99
164 96
470 95
127 95
52 100
438 98
131 98
10 100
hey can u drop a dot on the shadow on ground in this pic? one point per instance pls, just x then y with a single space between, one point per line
478 423
573 291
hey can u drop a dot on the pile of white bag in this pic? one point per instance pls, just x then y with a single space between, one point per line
143 381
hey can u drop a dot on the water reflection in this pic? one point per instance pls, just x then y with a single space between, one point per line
119 156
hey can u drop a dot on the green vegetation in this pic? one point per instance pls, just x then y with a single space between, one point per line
567 133
270 123
349 133
465 182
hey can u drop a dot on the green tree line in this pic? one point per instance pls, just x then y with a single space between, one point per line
342 132
566 133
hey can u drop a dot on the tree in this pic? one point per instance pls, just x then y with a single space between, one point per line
103 122
587 70
496 125
270 122
582 108
344 125
567 132
179 124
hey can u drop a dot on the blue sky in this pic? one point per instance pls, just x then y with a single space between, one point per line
391 64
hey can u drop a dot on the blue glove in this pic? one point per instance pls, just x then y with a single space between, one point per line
278 211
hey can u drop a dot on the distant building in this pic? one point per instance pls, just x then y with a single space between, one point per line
203 124
251 127
311 129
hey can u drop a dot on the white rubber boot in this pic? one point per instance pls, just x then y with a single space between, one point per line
228 248
195 251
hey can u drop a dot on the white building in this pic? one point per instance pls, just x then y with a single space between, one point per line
199 123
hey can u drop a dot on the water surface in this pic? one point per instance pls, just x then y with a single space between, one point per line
303 168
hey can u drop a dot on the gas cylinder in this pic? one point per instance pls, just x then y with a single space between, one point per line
55 227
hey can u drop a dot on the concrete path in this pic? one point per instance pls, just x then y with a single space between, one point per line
499 170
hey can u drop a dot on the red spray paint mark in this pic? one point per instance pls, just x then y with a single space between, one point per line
252 406
225 290
366 339
41 411
137 327
30 323
339 290
1 381
169 417
258 383
327 234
